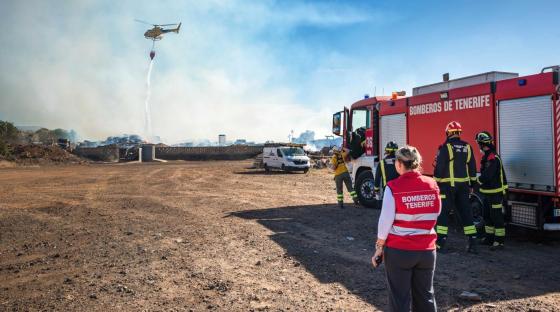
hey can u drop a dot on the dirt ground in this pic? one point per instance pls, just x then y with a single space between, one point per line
199 236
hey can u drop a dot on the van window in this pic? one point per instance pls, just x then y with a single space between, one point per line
293 151
279 153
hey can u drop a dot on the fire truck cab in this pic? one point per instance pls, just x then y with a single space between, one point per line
521 113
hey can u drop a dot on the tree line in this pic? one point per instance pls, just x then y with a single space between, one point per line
10 135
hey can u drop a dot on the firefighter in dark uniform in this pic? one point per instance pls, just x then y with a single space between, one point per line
493 186
385 170
358 143
455 172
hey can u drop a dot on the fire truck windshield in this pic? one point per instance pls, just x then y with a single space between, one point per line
360 118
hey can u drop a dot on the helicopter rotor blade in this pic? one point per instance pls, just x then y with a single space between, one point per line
167 24
144 22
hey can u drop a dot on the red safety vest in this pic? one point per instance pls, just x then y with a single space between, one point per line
417 206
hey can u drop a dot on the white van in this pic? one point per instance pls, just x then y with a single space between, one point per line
287 158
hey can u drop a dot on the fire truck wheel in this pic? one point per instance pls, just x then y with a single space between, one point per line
478 212
365 188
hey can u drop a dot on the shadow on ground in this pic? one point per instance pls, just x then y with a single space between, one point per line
335 245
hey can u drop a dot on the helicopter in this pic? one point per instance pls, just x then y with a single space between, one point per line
156 33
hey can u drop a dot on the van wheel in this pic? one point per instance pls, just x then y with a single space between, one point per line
305 170
266 169
365 189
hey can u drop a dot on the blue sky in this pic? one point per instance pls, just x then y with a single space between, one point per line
250 69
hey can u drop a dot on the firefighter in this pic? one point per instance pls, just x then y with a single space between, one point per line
358 143
455 172
341 176
493 186
385 170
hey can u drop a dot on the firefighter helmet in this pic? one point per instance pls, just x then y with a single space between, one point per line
483 138
391 147
453 127
361 131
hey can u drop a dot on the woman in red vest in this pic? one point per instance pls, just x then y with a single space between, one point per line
406 240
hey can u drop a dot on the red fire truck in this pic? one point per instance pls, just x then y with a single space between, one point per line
522 113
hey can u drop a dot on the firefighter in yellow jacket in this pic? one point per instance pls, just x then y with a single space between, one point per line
341 176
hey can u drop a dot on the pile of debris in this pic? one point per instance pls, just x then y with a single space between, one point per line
35 154
320 162
258 162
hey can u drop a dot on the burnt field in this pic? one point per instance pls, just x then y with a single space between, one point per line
199 236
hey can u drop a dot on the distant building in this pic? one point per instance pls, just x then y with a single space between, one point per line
240 142
222 140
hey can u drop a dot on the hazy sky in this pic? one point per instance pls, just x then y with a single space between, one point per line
249 69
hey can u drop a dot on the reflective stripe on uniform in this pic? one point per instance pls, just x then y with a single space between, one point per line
416 217
404 231
500 232
489 229
440 229
384 177
469 229
451 163
452 180
493 191
353 194
442 196
468 159
497 206
504 187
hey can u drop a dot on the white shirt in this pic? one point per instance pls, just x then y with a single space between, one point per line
387 216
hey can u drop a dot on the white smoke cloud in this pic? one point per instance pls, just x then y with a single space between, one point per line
82 65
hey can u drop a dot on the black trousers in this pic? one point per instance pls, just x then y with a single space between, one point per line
458 197
494 217
410 276
339 180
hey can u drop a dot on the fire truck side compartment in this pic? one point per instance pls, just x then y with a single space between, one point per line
393 123
526 142
393 128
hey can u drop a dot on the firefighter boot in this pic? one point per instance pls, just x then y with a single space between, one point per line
497 246
340 205
487 240
440 243
489 236
354 197
472 246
